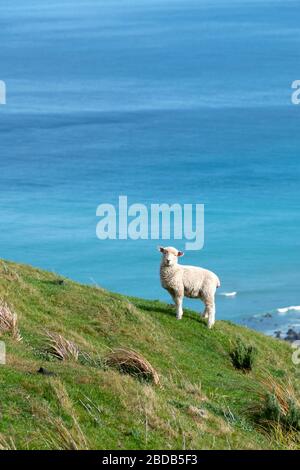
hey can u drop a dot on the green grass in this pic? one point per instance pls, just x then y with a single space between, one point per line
202 401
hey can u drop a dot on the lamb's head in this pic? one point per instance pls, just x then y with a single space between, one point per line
170 255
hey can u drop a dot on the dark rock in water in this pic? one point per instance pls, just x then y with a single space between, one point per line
292 335
277 334
267 315
44 371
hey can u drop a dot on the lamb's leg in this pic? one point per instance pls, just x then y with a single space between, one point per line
172 294
205 313
210 312
179 311
211 317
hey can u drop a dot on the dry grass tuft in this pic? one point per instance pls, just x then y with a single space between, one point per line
286 439
9 322
276 404
7 444
194 389
61 348
8 272
54 431
133 363
67 439
131 308
197 412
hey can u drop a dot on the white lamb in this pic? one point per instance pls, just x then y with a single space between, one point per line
188 281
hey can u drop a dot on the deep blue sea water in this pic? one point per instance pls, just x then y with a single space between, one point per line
164 101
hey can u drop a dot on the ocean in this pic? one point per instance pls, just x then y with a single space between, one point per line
165 102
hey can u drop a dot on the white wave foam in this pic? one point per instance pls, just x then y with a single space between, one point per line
292 308
229 294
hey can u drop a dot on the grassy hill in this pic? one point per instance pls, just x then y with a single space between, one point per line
202 401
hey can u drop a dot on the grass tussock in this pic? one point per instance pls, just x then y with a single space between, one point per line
277 405
287 439
243 356
9 322
60 347
133 363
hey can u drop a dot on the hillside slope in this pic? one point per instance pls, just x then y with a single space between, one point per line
202 401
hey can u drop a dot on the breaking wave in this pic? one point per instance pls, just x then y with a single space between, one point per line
228 294
292 308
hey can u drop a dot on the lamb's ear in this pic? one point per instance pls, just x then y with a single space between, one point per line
180 253
161 249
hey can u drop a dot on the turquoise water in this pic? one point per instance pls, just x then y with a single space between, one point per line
186 102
